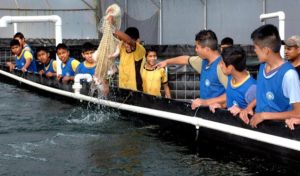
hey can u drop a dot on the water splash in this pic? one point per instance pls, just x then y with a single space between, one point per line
91 115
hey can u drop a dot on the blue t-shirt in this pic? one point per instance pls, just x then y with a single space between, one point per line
49 67
83 69
20 62
270 96
67 69
210 85
242 95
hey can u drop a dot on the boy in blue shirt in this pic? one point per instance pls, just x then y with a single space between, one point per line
212 80
69 64
49 65
24 59
278 95
241 86
88 65
20 37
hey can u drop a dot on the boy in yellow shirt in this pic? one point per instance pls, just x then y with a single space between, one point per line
131 56
153 77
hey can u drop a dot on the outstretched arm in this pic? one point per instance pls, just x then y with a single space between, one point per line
179 60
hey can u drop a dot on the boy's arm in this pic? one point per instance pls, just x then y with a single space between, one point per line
222 77
220 99
206 102
28 59
167 90
260 117
121 35
179 60
125 38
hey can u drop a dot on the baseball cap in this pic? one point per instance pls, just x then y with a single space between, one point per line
292 41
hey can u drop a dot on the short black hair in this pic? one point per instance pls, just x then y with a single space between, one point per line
133 32
207 38
42 48
235 56
62 46
87 46
151 49
227 41
14 42
267 36
19 35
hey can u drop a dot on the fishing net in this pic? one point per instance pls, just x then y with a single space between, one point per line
108 47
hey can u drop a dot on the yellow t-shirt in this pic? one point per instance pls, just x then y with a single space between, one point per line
153 79
127 72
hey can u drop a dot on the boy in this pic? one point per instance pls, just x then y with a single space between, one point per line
277 95
154 77
24 59
292 51
131 56
49 65
241 86
69 64
212 80
226 42
88 65
20 37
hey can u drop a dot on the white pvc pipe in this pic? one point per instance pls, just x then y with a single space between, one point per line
86 76
197 121
52 18
77 86
281 18
160 22
15 28
205 14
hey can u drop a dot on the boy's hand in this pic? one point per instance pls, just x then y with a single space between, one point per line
214 106
41 72
161 64
58 76
50 74
234 110
24 69
11 66
292 122
197 103
244 115
66 79
257 119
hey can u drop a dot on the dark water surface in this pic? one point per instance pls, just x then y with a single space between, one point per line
43 136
